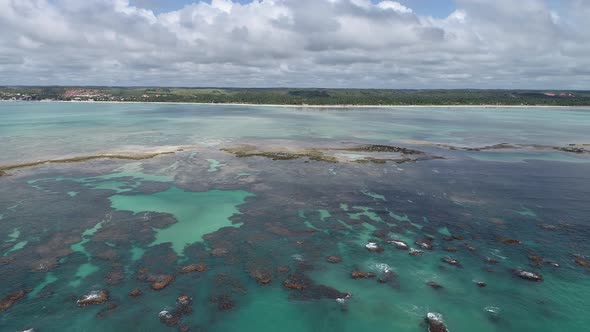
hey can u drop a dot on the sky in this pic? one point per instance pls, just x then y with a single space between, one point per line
412 44
438 8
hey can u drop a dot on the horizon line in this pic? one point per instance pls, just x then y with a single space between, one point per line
281 87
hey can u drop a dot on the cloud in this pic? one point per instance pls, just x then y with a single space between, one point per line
328 43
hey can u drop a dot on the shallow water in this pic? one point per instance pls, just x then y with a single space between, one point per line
197 213
68 229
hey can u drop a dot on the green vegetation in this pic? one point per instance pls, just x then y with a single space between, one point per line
285 96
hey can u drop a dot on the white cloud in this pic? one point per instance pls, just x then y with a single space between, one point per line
332 43
398 7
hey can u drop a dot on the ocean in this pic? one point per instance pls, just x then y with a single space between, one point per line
252 218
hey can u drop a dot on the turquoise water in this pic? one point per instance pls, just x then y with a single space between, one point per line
32 131
116 225
214 165
197 213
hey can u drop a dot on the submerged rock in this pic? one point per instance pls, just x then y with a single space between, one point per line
108 255
168 318
388 277
224 302
329 154
470 247
536 258
305 289
451 261
527 275
6 260
135 293
334 259
94 297
44 265
171 317
105 311
297 281
384 148
52 249
435 322
362 275
434 285
262 276
285 154
510 241
160 282
415 252
184 300
218 252
373 247
399 244
570 149
194 268
324 292
228 283
10 299
283 269
425 244
582 262
115 277
490 260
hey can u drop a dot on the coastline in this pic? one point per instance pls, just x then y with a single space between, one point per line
298 106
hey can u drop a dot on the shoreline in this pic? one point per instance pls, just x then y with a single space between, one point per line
296 106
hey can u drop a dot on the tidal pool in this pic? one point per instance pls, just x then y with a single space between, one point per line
197 213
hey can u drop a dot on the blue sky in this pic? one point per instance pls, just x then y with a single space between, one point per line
438 8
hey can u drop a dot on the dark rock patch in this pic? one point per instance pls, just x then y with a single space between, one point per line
531 276
334 259
435 323
10 299
194 268
451 261
362 275
425 244
434 285
94 297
